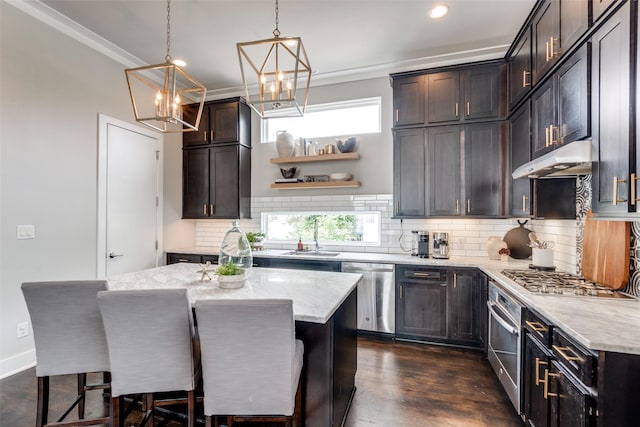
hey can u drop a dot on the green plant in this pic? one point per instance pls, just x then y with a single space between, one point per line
254 237
229 269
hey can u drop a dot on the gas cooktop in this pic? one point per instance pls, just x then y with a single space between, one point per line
559 283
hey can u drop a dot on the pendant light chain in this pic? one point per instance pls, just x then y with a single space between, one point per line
168 57
276 32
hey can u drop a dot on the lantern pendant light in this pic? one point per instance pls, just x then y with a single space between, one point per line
159 92
279 69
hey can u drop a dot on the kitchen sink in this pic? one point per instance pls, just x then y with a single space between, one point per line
312 253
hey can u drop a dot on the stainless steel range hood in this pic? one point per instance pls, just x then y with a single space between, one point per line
571 159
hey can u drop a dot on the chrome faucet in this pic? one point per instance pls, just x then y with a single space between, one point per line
315 234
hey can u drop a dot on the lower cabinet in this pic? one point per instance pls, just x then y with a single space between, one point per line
297 264
441 305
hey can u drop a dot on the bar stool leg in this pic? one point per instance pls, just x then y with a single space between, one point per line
43 401
82 383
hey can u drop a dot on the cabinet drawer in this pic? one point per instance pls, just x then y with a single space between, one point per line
423 274
173 258
538 327
577 360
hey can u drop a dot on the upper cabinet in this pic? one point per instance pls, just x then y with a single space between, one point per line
409 156
217 163
556 26
452 95
408 100
220 122
560 106
520 69
614 170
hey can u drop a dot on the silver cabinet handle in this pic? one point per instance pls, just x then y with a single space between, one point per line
114 255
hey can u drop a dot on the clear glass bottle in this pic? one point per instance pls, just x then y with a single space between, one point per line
235 248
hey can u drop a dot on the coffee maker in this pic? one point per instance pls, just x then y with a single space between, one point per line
420 244
440 245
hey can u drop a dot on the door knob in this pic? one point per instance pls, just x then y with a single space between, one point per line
114 255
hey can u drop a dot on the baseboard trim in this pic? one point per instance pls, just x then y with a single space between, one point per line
17 363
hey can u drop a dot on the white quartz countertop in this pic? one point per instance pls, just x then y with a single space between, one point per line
596 323
316 295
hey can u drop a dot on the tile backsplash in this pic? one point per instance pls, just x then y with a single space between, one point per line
467 236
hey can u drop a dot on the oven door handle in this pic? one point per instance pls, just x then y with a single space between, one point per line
500 320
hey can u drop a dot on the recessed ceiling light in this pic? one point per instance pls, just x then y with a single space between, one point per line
438 11
179 63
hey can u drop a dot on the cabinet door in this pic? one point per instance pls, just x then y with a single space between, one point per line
422 309
571 404
443 97
610 106
409 172
535 362
444 172
542 120
173 258
520 69
545 38
483 169
224 122
574 21
224 182
600 6
195 183
573 97
520 137
202 135
481 92
408 100
466 297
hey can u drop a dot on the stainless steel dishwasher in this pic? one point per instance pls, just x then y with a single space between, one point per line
376 296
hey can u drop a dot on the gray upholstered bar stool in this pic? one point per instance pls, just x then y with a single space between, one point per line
69 339
251 361
150 336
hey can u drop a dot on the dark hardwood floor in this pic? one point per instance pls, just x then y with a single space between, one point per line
398 384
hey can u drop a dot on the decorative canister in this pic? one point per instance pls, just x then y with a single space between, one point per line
494 244
284 143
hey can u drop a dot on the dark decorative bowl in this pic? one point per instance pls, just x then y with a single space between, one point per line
348 146
288 173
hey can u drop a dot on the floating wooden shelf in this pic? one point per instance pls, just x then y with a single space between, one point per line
309 159
330 184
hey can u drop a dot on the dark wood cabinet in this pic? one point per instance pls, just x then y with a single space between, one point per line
443 97
571 402
297 264
483 169
600 7
409 160
560 106
443 165
175 257
221 121
441 305
536 358
555 28
520 153
421 309
409 100
216 182
466 307
468 94
520 69
216 166
611 107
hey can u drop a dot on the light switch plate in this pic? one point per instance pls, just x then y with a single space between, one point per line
26 231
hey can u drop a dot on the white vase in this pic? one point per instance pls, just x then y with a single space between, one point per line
284 143
494 244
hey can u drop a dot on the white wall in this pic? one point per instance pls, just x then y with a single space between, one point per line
52 89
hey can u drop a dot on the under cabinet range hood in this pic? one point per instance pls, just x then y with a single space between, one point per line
571 159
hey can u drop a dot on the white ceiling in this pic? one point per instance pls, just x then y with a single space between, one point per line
345 40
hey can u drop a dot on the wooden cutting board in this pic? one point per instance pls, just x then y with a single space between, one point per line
605 252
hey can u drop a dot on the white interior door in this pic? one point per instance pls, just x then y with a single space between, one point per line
130 190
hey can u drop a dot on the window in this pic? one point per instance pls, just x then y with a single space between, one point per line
338 228
347 118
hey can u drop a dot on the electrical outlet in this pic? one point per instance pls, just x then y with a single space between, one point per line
22 329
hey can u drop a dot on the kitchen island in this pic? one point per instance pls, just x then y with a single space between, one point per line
324 308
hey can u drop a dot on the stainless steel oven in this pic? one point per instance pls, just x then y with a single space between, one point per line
504 344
